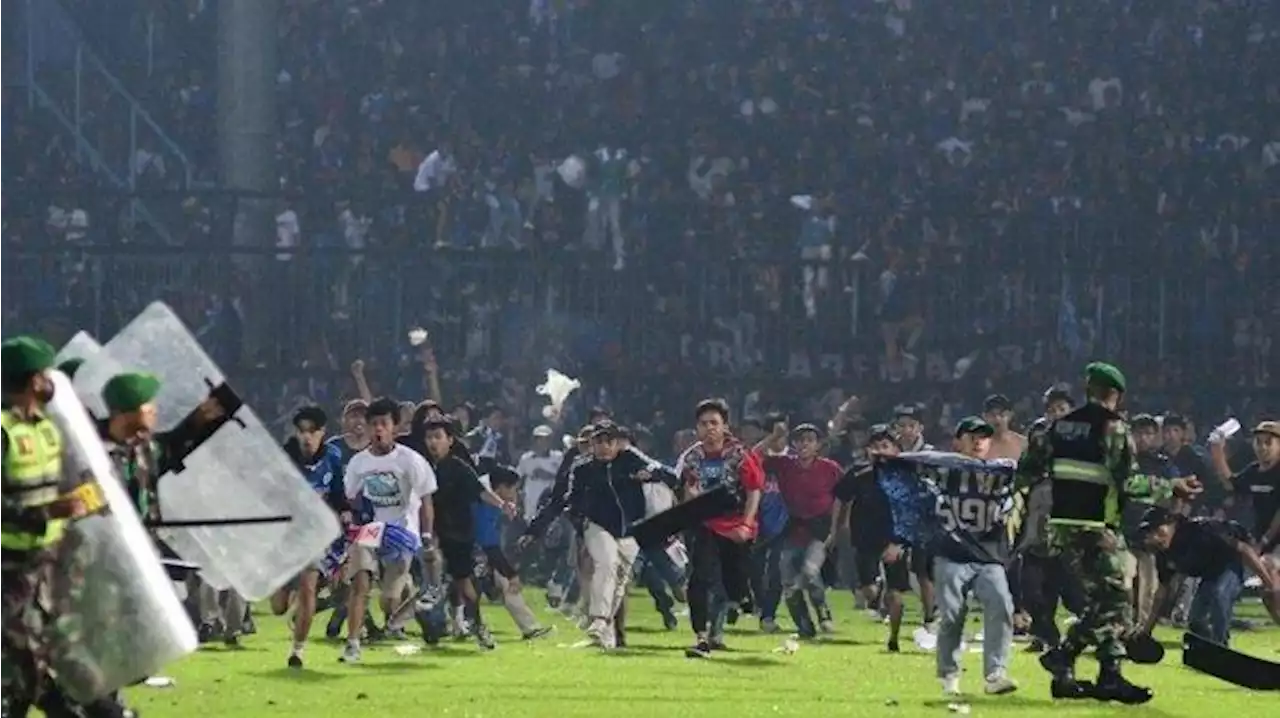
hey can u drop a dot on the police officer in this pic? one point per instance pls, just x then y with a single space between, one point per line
1089 458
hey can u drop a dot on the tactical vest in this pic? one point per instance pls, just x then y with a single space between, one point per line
32 472
1084 491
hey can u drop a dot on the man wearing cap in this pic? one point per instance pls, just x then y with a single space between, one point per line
1140 564
34 517
607 492
1088 457
537 469
997 411
1215 551
969 558
1257 486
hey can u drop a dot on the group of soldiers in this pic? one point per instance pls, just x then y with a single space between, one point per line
37 501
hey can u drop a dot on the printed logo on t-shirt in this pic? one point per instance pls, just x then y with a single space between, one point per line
382 490
711 473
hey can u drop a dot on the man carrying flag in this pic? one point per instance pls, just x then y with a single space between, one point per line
970 552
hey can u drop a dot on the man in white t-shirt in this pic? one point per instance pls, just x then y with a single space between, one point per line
395 483
537 469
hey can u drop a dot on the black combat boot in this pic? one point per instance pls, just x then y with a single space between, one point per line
1113 687
1061 664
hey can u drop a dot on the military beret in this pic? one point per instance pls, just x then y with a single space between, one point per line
1105 374
70 367
25 355
127 392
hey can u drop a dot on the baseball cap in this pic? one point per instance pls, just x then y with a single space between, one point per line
541 431
1144 420
1175 420
911 411
997 402
806 428
1268 427
1058 392
1153 517
882 432
974 425
607 430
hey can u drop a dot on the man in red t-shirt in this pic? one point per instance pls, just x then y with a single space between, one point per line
807 483
719 549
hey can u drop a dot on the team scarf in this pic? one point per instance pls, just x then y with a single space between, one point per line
694 459
934 494
393 542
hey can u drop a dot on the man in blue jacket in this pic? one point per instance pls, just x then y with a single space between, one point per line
607 493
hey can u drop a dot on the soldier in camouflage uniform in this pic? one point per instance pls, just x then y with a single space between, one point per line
1089 458
38 578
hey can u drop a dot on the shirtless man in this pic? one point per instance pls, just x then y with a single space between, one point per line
997 411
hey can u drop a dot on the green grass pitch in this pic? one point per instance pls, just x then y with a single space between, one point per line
848 675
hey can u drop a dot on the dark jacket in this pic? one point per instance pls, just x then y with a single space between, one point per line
609 493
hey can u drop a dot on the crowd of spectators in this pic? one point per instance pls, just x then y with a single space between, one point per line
1011 186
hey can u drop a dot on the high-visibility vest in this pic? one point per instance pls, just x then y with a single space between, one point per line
32 472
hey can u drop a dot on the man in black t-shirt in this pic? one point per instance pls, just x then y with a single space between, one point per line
1257 488
1215 551
866 509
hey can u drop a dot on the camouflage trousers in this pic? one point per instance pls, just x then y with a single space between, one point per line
26 607
1097 559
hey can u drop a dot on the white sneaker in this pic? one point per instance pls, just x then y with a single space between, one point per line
350 654
999 684
951 685
827 626
597 631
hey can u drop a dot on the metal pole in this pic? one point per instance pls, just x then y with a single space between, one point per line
1160 313
31 60
133 146
79 66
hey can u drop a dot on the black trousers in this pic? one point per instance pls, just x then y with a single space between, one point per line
716 565
1045 583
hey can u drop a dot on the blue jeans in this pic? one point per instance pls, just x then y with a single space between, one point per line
1214 605
766 577
659 574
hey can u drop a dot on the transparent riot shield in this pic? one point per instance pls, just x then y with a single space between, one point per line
116 618
222 467
84 346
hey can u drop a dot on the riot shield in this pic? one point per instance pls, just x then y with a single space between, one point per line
116 618
83 346
219 468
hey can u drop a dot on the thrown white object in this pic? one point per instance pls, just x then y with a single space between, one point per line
417 336
159 682
573 170
557 389
961 708
1224 431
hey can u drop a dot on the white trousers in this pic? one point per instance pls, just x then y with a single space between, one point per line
612 559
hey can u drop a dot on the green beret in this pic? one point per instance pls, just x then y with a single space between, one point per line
1105 374
22 356
70 367
124 393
